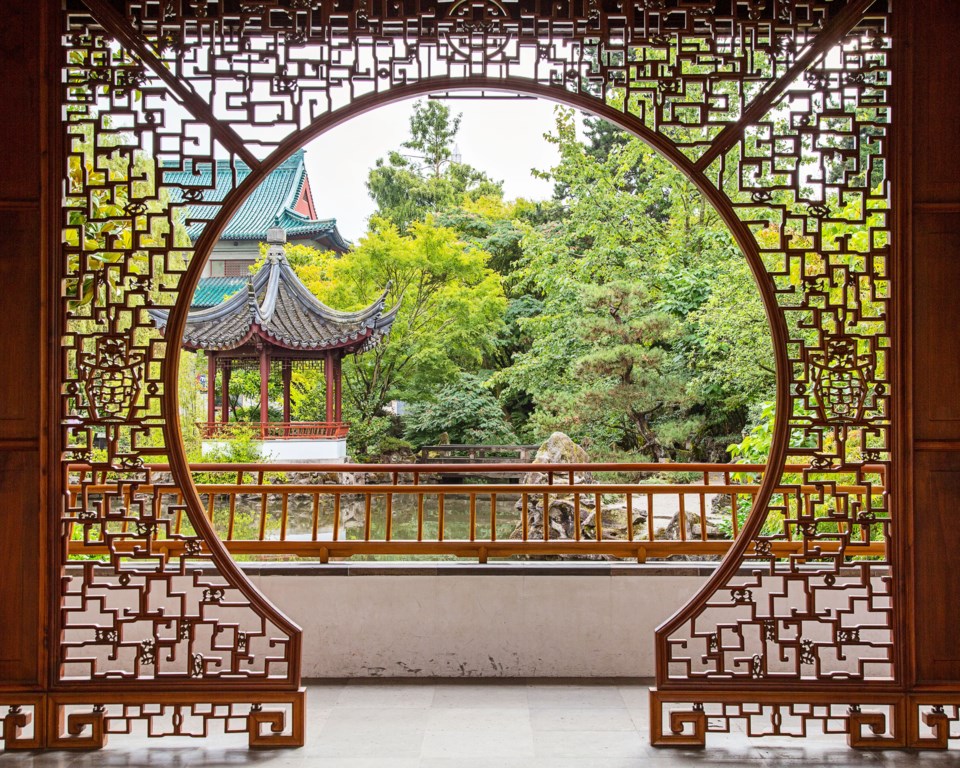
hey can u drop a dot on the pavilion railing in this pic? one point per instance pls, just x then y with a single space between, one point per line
329 511
275 430
456 453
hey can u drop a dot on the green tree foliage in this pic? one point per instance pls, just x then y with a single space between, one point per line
630 378
432 133
465 410
428 179
451 311
693 350
621 311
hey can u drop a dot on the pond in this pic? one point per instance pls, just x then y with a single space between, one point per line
247 517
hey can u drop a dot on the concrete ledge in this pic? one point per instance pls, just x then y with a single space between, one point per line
402 569
437 620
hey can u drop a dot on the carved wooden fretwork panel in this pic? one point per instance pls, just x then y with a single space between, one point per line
778 109
809 179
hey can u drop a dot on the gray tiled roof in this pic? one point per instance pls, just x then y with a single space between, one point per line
277 306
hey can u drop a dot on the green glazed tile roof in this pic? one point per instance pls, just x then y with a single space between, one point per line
213 290
204 184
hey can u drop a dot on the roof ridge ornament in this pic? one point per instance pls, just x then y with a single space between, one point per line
276 239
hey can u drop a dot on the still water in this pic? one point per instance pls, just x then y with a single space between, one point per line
405 521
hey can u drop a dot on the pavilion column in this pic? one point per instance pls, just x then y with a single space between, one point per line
286 370
338 388
211 389
328 375
264 389
225 372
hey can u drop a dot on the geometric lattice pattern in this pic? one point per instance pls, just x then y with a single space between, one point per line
777 109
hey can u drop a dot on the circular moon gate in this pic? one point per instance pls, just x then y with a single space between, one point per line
779 115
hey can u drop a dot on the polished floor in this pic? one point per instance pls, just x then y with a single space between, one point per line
495 725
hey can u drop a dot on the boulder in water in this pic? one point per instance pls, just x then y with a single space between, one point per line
558 449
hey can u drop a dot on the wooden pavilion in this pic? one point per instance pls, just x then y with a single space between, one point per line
276 319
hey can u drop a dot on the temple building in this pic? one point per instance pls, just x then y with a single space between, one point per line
276 320
283 200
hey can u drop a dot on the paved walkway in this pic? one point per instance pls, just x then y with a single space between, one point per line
494 725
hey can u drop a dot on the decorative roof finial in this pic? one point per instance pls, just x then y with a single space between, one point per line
276 237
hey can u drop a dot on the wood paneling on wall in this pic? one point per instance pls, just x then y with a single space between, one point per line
936 314
21 127
932 114
21 345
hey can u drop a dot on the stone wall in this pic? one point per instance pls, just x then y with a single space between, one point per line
520 620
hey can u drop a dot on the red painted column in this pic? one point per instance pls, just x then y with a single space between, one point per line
225 391
338 386
211 388
328 395
286 391
264 389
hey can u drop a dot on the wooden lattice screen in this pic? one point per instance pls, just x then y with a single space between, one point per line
779 110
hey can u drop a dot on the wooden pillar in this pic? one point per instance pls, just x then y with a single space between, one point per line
30 257
338 388
328 394
211 388
227 368
286 366
264 389
929 244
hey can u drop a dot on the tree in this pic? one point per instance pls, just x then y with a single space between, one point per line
408 187
465 410
630 379
432 132
451 310
631 219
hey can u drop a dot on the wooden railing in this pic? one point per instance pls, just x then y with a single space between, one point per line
405 510
454 453
275 430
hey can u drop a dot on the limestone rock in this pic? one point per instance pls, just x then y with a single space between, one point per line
559 449
692 519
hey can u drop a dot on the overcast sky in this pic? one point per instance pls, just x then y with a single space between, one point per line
502 137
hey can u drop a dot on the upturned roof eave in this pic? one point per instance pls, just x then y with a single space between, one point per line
359 342
246 315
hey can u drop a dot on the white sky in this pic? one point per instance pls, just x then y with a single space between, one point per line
338 161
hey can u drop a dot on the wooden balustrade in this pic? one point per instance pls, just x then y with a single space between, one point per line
405 510
275 430
455 453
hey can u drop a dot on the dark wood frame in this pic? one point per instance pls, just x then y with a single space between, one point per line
925 470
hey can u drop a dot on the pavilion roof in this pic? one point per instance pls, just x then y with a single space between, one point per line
274 203
278 308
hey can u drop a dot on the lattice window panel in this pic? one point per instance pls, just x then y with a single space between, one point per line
778 109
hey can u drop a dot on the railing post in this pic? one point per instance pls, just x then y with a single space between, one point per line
87 487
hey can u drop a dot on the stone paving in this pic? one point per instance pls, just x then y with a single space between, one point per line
472 725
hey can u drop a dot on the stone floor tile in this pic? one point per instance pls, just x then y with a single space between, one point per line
392 695
570 719
590 744
478 762
477 745
574 697
323 695
500 725
383 745
486 719
636 696
495 695
364 762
